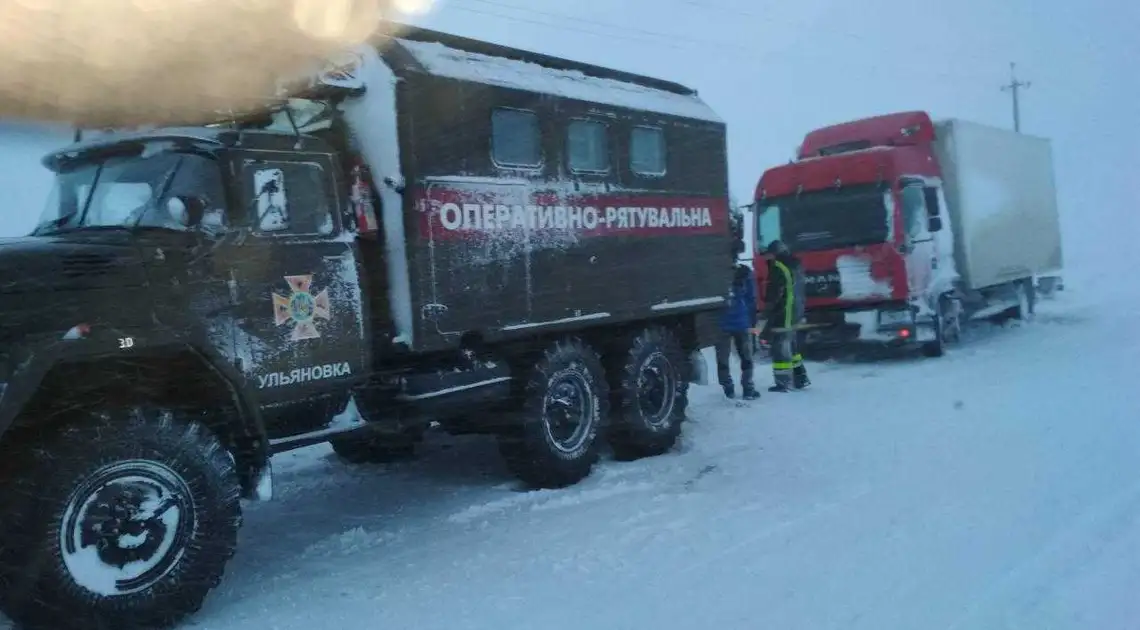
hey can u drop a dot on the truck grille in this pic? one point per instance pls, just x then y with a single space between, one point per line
81 265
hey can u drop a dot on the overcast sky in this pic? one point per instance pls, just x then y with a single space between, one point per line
775 70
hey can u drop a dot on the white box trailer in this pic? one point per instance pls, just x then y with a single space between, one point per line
1002 202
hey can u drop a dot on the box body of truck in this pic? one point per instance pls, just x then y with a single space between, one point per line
536 194
1002 201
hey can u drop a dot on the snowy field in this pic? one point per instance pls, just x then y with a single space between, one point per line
994 488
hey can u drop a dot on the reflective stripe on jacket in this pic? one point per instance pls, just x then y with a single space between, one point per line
785 296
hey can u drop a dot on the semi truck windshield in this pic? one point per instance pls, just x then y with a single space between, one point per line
829 219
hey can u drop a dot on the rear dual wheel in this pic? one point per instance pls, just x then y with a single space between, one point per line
567 404
653 396
565 407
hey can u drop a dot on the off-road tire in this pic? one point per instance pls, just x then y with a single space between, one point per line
633 434
530 450
36 588
375 448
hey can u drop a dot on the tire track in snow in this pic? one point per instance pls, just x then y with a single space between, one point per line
1067 552
541 500
816 511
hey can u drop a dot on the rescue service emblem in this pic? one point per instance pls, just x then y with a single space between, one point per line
301 309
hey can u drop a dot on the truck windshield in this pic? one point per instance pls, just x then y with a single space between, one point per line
115 192
829 219
295 114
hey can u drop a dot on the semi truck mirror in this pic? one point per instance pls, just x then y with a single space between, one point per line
932 208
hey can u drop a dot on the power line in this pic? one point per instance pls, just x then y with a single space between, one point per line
521 20
1014 87
677 42
860 36
608 25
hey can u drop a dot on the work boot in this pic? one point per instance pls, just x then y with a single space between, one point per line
729 390
779 389
750 393
800 378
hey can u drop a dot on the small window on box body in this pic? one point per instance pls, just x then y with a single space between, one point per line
587 142
647 151
515 138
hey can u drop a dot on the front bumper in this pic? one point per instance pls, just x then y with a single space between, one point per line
884 326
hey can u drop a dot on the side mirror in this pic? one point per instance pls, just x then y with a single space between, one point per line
934 224
395 184
931 196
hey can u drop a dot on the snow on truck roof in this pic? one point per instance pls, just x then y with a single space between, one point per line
152 139
481 62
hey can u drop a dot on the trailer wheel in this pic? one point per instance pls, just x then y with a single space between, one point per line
1026 307
652 398
565 406
1027 300
374 449
120 521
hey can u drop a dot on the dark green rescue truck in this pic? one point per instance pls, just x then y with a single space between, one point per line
398 245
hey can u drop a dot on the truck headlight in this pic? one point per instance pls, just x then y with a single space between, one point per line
895 318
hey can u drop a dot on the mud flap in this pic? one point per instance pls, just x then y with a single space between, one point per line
926 332
698 368
262 489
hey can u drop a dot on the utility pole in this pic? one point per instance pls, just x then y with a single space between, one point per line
1014 87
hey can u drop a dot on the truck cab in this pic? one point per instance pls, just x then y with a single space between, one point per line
195 300
861 207
904 224
216 221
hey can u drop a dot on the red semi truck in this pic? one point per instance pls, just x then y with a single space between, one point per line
908 227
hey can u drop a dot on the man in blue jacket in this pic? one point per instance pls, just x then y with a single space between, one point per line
736 324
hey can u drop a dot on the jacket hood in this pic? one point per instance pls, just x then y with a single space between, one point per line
788 259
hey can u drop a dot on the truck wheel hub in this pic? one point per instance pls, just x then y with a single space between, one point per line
656 390
567 412
125 527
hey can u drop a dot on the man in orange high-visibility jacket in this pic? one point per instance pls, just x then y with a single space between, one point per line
784 307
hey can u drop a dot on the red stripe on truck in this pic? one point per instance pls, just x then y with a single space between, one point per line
457 213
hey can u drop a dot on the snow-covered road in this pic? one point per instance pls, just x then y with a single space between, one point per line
994 488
